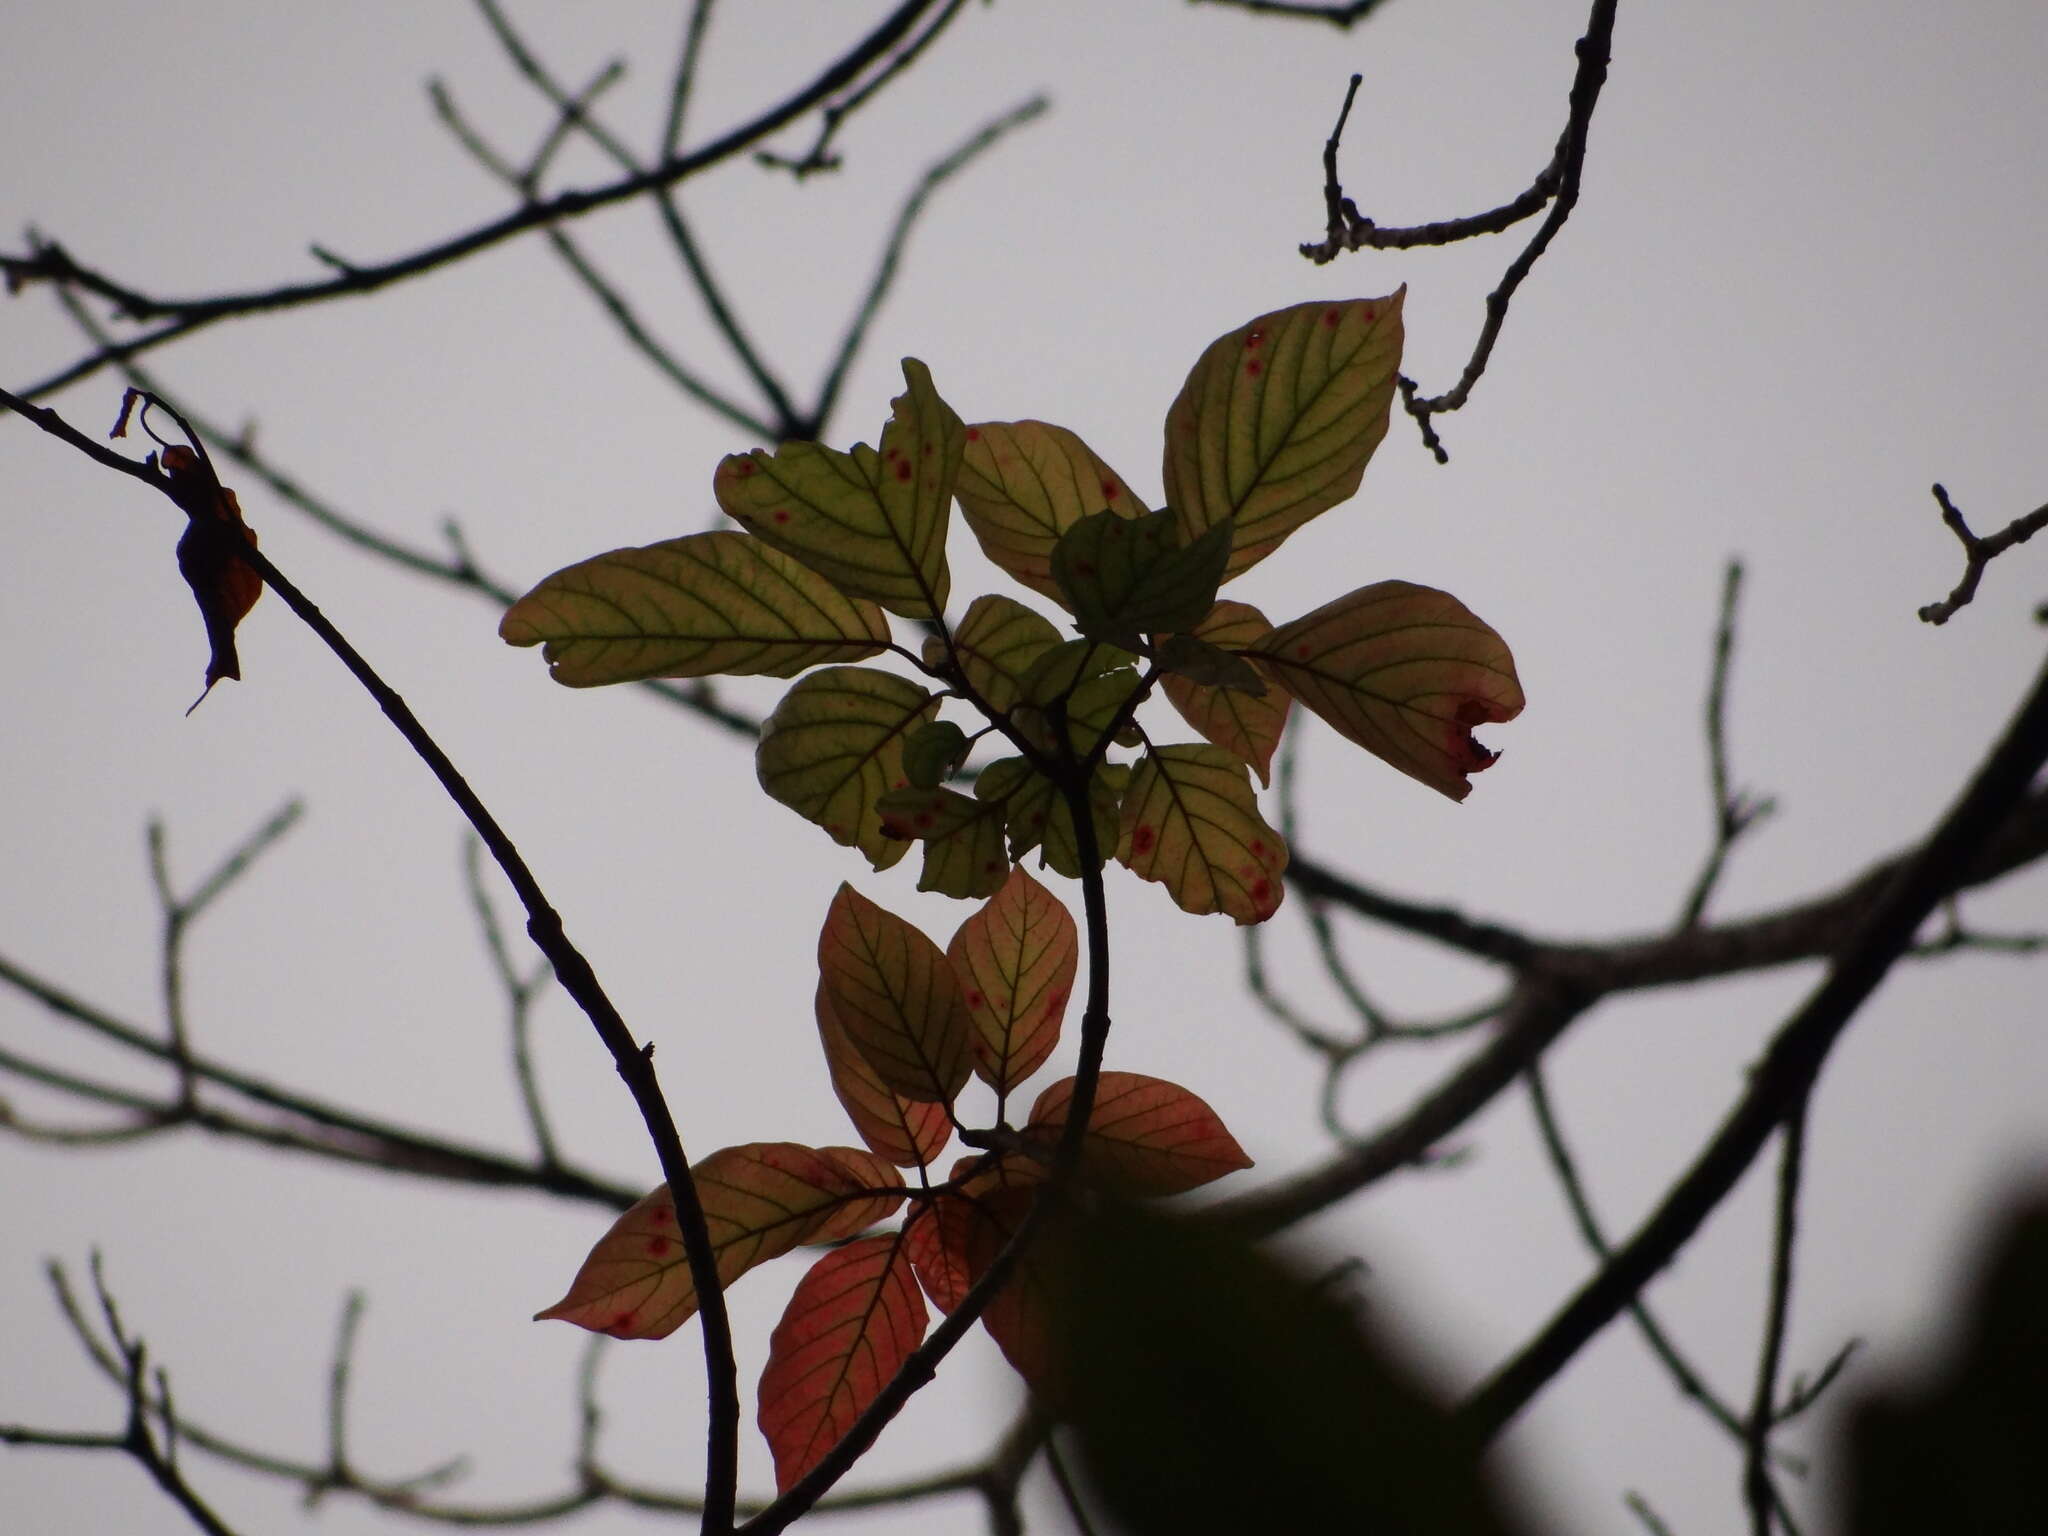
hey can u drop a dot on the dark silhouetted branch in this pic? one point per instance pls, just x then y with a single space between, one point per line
1977 553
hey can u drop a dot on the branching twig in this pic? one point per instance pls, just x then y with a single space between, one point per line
1736 812
1977 553
1758 1491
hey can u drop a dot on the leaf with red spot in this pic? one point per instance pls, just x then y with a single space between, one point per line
962 837
891 988
1191 822
997 642
1403 671
760 1201
1015 961
1145 1136
224 585
907 1133
1023 484
1277 420
834 745
1245 725
874 524
711 603
854 1319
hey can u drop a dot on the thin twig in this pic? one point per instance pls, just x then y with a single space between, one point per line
1977 553
1736 812
818 157
1760 1494
520 991
1341 14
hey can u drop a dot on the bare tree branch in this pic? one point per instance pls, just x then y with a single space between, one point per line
1977 553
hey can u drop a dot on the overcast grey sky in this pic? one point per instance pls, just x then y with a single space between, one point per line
1803 283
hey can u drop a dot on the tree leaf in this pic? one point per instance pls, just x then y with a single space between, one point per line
1015 961
1243 724
1145 1136
1127 577
997 641
223 585
691 607
1023 484
907 1133
853 1320
891 988
760 1200
1190 822
834 746
932 752
1035 814
868 1171
962 837
1277 420
957 1234
872 524
1403 671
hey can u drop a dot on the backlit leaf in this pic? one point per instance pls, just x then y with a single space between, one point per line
1277 420
954 1238
1035 814
853 1320
907 1133
998 640
691 607
1244 725
1403 671
1144 1137
223 585
834 745
1191 822
1127 577
932 752
760 1201
868 1171
1023 484
891 988
872 523
1015 961
962 837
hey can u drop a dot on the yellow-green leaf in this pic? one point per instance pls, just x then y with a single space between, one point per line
1277 419
1123 577
1035 814
1243 724
872 523
997 642
1015 961
691 607
1023 484
1191 822
834 745
891 988
962 837
1405 672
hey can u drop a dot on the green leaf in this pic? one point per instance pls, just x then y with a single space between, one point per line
691 607
1145 1136
834 745
873 524
1023 484
1060 671
1277 420
1403 671
891 988
962 837
932 752
851 1323
1191 822
1015 961
1036 814
907 1133
760 1200
1127 577
1245 724
1210 665
997 642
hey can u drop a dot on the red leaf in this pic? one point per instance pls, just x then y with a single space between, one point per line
855 1318
907 1133
892 989
1015 960
854 1217
1145 1136
760 1201
225 587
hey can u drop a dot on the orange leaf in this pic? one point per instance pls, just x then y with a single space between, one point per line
1015 960
855 1318
1145 1136
854 1217
760 1200
1405 672
225 587
907 1133
891 988
1243 724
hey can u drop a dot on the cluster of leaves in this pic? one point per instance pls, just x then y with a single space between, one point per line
1274 426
